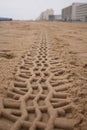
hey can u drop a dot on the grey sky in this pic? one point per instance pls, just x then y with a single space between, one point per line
31 9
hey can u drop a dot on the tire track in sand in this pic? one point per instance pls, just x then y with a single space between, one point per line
38 100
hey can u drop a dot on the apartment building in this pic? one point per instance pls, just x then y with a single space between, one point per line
75 12
81 12
67 13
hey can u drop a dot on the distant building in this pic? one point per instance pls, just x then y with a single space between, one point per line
55 17
75 12
45 15
5 19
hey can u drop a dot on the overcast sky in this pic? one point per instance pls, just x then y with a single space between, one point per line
31 9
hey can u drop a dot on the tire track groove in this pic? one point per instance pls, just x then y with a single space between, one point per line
38 98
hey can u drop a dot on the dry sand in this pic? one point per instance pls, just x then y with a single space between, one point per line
43 76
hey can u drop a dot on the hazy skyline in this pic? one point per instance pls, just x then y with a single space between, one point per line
31 9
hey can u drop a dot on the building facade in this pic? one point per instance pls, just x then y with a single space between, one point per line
81 13
67 13
75 12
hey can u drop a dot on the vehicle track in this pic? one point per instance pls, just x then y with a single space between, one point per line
38 98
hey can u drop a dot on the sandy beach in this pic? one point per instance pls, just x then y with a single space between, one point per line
43 75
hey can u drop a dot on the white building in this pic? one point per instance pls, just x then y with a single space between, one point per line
75 12
45 15
74 9
81 12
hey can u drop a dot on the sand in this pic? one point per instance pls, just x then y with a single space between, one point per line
43 76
